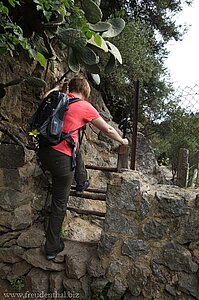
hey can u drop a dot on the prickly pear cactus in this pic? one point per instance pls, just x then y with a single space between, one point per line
117 25
92 11
114 51
73 63
88 56
98 2
72 37
35 82
100 26
110 65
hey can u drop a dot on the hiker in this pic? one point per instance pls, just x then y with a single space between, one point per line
57 159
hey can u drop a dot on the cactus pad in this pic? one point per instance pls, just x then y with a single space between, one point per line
117 25
73 63
92 11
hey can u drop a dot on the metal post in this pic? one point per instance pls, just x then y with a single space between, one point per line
135 123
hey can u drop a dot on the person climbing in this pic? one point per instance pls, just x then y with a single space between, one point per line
57 159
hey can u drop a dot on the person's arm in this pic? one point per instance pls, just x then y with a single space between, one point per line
108 130
61 87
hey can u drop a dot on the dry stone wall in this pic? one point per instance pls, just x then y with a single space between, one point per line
150 243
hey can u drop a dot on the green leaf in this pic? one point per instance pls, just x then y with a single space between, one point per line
88 34
72 37
35 82
114 50
103 46
92 11
100 26
41 59
117 25
88 56
73 63
34 132
98 40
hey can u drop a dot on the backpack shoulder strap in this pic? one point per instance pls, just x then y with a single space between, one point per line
73 100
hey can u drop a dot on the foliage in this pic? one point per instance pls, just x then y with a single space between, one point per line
18 283
178 130
149 27
75 24
140 63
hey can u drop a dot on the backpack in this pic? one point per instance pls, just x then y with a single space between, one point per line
48 120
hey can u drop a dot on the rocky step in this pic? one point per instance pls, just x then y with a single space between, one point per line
86 212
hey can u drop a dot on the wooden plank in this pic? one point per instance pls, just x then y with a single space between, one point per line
123 157
106 169
92 190
88 195
86 212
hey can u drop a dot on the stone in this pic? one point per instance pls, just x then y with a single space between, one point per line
3 229
36 258
76 262
129 296
189 228
145 156
134 248
117 222
189 284
72 288
154 230
31 238
11 199
158 271
178 258
10 178
18 219
114 270
98 285
37 281
6 237
137 279
196 255
171 290
197 200
85 285
11 156
171 205
11 254
116 290
56 281
18 269
124 195
94 267
106 244
144 205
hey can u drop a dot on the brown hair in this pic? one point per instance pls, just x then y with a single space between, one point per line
79 85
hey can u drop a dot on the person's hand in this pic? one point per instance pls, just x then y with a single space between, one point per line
125 141
63 86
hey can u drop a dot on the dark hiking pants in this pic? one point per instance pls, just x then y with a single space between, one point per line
59 165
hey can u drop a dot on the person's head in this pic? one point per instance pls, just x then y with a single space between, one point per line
79 85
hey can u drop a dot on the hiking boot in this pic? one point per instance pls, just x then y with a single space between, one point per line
52 255
80 188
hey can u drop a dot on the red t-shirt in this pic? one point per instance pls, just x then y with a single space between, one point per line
79 114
